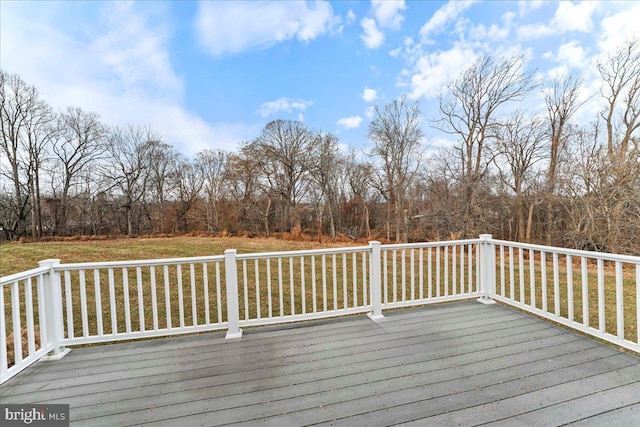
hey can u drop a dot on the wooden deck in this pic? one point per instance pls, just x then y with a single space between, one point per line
454 364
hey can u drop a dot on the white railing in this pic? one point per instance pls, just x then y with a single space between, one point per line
595 293
60 305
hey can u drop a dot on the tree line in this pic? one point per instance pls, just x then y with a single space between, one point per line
533 176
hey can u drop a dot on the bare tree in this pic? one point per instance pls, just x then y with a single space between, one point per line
15 100
326 172
561 99
189 182
470 112
520 145
128 166
80 143
284 151
213 166
161 180
40 131
397 139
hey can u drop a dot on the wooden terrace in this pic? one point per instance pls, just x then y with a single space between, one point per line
460 363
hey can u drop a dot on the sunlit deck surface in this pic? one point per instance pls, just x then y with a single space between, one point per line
453 364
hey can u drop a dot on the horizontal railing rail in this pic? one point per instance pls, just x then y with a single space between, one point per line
58 305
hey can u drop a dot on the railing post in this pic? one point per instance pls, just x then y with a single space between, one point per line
375 277
54 322
231 282
487 269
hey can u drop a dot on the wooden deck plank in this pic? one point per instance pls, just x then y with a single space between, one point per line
358 344
573 410
626 416
454 363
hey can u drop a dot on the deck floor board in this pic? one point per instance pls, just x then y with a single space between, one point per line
460 363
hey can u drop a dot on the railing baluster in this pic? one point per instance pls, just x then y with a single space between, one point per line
140 299
194 305
83 304
570 287
365 281
205 296
269 302
345 301
17 326
313 284
412 263
246 291
304 290
429 274
403 267
219 292
601 318
470 268
619 301
291 289
28 296
96 285
257 273
354 283
167 294
112 302
502 278
280 296
532 278
421 272
543 273
154 297
324 283
446 270
437 271
44 338
395 277
335 283
69 303
127 308
585 291
385 282
521 275
454 266
180 295
556 284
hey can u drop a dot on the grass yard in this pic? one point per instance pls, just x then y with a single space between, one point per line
17 257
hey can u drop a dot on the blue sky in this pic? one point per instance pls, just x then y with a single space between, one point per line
212 74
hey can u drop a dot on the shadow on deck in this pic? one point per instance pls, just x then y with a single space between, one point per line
459 363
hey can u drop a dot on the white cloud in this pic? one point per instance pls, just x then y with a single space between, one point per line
370 112
436 69
574 16
620 27
350 122
282 104
395 52
372 36
351 17
369 95
443 16
122 72
569 17
387 13
572 54
526 6
228 27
